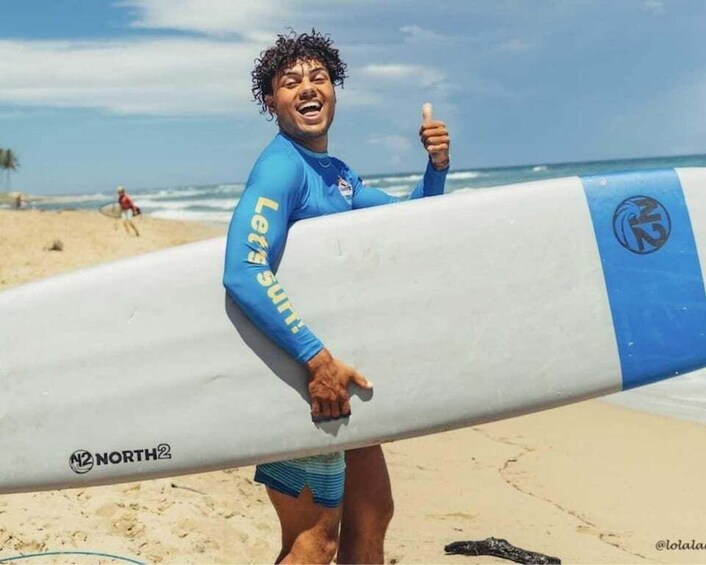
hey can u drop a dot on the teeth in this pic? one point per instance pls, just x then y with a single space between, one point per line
310 106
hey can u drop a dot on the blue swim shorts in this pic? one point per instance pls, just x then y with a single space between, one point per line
323 474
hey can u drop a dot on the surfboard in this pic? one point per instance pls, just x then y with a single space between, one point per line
111 209
461 309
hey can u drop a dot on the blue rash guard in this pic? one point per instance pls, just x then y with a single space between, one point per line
290 183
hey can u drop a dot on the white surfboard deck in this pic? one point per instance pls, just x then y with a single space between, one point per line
461 309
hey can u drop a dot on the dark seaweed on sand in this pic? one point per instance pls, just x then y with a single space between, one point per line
500 548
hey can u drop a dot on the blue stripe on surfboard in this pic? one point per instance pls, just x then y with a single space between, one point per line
652 273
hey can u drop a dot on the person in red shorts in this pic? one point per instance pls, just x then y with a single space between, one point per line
127 210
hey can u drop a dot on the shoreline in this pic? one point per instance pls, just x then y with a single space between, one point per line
591 482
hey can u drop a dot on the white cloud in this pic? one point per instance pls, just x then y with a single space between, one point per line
423 76
253 19
162 76
217 17
157 76
656 7
180 75
417 34
406 79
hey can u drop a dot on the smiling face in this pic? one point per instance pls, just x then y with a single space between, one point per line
304 101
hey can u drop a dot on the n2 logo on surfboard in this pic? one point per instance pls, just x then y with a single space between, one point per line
641 224
82 461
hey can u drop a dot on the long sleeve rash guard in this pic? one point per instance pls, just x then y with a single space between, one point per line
290 183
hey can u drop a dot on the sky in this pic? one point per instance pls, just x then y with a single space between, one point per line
156 93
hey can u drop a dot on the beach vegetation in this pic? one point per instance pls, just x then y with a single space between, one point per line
9 163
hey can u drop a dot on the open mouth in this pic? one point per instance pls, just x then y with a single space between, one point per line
310 109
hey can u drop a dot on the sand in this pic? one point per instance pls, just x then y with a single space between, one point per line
87 238
589 483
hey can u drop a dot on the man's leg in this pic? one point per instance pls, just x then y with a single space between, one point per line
309 531
367 507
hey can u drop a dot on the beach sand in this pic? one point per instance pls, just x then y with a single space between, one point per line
87 238
589 483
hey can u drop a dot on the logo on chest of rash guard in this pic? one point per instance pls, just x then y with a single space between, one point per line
345 188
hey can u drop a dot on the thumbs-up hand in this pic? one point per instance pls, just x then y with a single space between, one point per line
435 138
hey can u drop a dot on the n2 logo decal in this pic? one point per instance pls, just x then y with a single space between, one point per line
82 461
641 224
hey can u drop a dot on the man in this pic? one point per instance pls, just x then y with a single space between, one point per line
127 210
295 178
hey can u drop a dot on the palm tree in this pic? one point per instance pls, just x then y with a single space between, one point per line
9 162
2 159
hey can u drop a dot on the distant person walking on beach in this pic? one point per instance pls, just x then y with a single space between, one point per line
127 210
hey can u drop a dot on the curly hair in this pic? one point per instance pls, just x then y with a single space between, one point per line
287 50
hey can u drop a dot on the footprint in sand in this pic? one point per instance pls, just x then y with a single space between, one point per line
128 526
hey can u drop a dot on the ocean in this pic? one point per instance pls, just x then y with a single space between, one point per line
214 203
683 397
